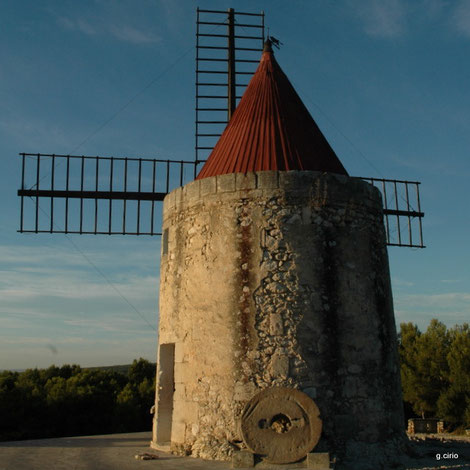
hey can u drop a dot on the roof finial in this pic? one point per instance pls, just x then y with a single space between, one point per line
271 41
276 43
267 45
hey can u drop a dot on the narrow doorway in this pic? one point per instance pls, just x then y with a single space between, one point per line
165 391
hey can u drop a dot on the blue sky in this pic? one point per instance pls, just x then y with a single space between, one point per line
387 82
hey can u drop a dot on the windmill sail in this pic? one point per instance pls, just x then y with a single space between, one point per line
121 196
96 195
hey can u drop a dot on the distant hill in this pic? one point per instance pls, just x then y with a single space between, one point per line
121 369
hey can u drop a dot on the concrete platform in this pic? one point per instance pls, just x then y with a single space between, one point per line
108 452
118 451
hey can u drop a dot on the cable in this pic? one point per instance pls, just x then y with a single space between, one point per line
341 133
350 143
130 101
98 270
123 107
92 134
101 273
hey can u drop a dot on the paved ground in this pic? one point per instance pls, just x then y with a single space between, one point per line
439 451
118 451
111 452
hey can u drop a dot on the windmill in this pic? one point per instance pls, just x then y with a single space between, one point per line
262 285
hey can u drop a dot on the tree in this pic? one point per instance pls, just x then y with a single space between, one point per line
424 369
69 400
435 371
9 405
137 397
454 403
408 352
141 369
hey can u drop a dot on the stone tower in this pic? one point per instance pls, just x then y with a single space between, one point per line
275 286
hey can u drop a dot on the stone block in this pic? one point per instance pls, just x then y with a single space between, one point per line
244 392
165 205
346 424
169 201
354 369
190 412
279 365
318 460
208 186
425 425
243 459
247 181
306 214
179 352
185 414
268 179
226 183
180 392
276 327
181 371
350 387
295 180
191 190
228 197
178 192
178 429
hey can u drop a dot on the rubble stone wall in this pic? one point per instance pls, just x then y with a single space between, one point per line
279 279
430 425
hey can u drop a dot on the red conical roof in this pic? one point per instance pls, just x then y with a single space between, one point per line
271 129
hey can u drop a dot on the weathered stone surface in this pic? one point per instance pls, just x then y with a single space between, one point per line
208 186
318 460
243 459
226 182
191 190
244 181
277 287
268 179
280 424
276 327
279 365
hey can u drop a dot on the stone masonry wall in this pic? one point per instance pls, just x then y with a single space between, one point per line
280 279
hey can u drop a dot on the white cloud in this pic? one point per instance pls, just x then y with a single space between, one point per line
446 300
450 308
120 31
76 25
133 35
432 9
65 284
27 351
116 324
35 131
401 282
383 18
43 287
461 18
36 259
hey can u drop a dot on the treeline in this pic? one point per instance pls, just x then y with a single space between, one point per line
435 372
71 401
